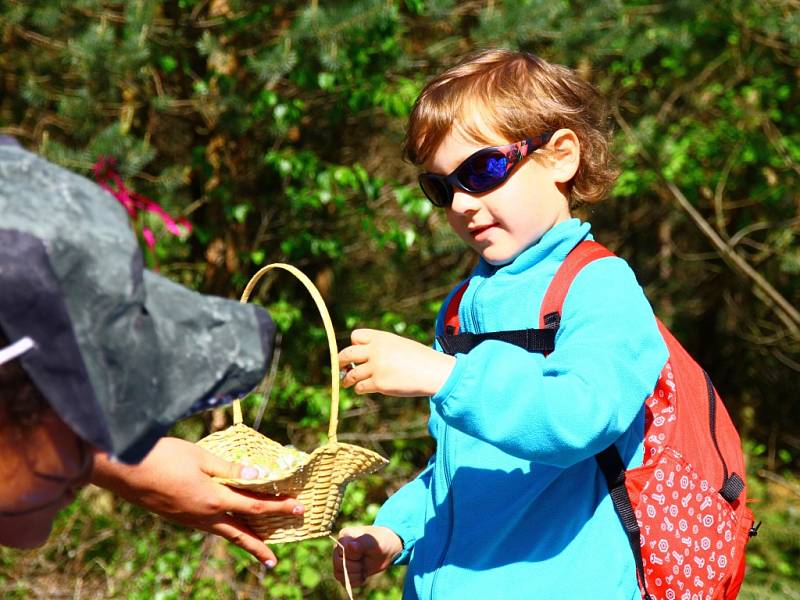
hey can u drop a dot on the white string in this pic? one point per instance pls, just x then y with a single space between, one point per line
16 349
347 585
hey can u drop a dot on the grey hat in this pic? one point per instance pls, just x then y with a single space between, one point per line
120 352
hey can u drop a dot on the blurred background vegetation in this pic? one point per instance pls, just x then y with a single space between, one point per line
275 128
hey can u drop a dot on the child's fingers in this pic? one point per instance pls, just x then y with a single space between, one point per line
353 549
365 386
362 336
355 574
353 354
356 579
355 568
356 374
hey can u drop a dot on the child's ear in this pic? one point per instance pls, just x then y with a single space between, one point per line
564 155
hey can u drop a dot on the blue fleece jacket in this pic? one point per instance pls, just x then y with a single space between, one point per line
512 505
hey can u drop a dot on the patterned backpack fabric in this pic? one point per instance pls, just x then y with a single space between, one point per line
684 510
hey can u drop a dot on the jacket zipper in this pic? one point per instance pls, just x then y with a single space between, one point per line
473 311
446 462
449 482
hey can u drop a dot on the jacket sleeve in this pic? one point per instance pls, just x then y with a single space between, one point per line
565 407
404 512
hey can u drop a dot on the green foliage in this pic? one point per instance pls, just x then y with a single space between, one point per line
276 128
773 555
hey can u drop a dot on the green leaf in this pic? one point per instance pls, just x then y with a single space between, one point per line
168 63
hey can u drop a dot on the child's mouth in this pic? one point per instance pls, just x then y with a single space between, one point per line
482 232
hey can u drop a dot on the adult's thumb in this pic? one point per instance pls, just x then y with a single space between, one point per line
219 467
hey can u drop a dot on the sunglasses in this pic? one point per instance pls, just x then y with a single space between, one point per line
482 171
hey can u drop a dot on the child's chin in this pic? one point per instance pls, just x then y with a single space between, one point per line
33 538
25 533
498 259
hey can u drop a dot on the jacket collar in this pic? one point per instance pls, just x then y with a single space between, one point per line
553 245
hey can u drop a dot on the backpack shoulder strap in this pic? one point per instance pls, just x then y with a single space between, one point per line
453 342
584 253
609 460
451 322
534 340
581 255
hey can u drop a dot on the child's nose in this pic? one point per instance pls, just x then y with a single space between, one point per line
464 202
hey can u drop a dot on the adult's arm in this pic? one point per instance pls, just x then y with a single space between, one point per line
175 481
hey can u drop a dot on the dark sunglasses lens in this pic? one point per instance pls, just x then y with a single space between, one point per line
437 191
483 172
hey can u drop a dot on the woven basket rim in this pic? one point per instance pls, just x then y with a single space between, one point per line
325 448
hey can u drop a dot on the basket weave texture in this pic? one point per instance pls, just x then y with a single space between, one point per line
319 479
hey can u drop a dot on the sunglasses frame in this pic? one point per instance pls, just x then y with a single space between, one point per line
514 153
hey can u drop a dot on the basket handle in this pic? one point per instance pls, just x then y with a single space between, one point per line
326 319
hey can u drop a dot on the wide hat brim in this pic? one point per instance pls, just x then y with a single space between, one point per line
121 353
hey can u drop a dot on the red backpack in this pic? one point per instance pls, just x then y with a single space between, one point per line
684 510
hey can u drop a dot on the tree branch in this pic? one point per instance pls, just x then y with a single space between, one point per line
769 295
775 478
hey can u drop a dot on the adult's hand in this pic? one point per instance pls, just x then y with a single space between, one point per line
175 481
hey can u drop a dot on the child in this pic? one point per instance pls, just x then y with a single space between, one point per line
513 504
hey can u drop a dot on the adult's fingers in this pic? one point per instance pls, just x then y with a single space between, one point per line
241 501
249 503
237 533
219 467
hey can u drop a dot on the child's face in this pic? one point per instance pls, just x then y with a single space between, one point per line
503 222
41 470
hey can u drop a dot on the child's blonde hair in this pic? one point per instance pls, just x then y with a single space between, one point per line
516 95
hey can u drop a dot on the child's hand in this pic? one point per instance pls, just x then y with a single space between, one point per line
393 365
368 550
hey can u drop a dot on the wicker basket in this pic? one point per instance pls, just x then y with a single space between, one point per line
319 479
